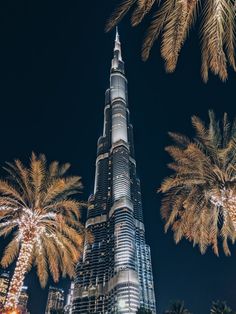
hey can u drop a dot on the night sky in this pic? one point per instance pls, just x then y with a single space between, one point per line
54 69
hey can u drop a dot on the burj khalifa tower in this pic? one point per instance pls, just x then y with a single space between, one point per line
115 273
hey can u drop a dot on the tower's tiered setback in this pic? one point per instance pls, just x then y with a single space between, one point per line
115 275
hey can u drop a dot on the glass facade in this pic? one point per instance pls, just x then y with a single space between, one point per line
55 300
4 285
23 300
115 273
69 300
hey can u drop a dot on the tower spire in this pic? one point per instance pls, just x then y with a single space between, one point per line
117 34
117 48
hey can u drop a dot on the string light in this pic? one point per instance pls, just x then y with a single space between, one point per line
226 199
30 233
35 205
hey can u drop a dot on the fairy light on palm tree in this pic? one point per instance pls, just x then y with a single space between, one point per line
200 197
36 208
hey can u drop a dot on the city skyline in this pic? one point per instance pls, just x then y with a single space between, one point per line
55 64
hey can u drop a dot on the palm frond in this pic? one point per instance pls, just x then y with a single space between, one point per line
200 196
119 13
174 19
143 8
156 27
37 173
10 253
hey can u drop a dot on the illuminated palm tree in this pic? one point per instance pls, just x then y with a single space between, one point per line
200 197
177 307
36 210
173 19
220 307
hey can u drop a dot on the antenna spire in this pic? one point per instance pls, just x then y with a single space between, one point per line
117 34
117 48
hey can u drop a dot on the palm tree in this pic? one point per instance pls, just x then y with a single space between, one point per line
200 197
173 19
36 209
177 307
220 307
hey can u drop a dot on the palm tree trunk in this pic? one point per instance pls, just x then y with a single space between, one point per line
19 274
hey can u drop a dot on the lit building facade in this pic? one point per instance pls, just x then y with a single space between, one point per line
55 300
4 285
115 274
23 300
69 299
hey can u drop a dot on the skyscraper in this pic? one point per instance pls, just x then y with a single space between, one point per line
115 274
23 300
69 300
55 300
4 285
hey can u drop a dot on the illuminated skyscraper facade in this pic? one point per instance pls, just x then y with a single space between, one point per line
23 300
115 275
4 285
69 299
55 300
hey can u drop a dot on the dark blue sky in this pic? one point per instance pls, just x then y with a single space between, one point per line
54 69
